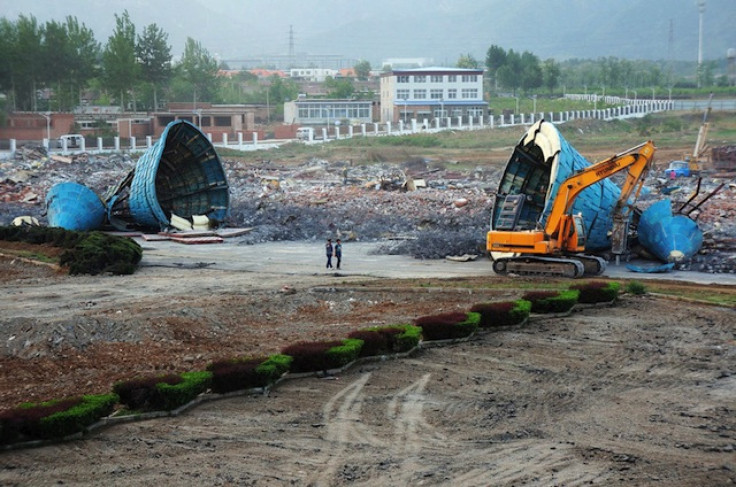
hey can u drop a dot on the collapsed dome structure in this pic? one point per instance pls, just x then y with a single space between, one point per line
540 163
72 206
180 176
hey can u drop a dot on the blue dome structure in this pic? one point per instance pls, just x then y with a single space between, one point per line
180 175
73 206
671 238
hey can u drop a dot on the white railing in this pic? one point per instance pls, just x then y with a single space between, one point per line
627 108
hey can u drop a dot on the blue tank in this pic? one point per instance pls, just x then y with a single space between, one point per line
73 206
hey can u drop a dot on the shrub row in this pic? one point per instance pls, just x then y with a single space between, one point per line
60 418
86 252
54 419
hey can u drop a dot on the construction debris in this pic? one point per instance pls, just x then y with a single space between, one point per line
317 199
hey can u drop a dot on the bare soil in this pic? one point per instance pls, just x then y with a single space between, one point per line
640 393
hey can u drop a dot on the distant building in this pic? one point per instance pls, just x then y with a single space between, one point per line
312 74
406 62
432 92
306 111
213 119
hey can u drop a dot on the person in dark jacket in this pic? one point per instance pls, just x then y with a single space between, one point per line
329 251
338 252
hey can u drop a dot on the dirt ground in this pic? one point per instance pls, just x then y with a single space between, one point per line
641 393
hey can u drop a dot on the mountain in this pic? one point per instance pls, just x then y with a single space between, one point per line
442 30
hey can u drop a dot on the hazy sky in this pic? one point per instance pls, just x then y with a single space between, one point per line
442 30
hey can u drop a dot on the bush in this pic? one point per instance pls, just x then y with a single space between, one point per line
448 325
87 252
552 301
140 393
504 313
315 356
54 419
78 417
173 396
374 342
235 375
597 292
98 252
274 367
382 340
635 287
246 373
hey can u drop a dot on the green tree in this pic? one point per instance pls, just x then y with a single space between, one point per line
8 41
468 62
25 61
495 58
509 75
550 74
84 56
362 69
199 70
119 59
531 72
339 88
154 56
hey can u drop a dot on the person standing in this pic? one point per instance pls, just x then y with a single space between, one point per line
329 251
338 252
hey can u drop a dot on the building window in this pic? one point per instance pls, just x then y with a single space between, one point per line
222 121
420 79
436 78
402 94
469 93
451 78
435 94
420 94
470 78
476 111
452 93
402 79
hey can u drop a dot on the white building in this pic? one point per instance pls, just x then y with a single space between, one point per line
317 111
312 74
432 92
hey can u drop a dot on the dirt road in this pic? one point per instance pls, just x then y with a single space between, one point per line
642 393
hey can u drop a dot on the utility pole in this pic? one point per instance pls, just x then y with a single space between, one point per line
701 10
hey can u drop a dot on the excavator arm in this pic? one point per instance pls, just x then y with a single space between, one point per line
637 160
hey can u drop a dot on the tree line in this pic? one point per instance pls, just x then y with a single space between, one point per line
49 66
525 72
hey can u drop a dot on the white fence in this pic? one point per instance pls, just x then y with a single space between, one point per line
627 108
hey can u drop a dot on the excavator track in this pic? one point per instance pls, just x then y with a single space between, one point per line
539 266
594 265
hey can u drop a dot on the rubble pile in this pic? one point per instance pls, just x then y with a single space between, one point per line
320 200
414 208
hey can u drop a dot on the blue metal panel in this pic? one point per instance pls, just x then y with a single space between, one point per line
74 207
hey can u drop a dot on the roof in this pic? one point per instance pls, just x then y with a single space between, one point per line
436 70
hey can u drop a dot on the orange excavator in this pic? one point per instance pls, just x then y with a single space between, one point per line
558 248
